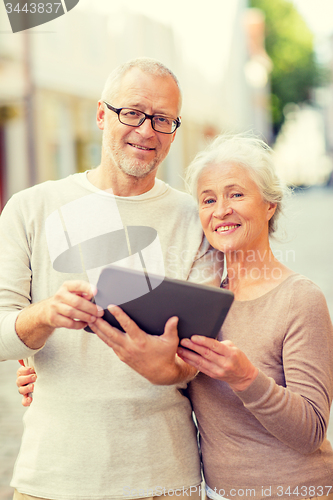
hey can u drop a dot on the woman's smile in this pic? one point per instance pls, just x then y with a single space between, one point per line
232 211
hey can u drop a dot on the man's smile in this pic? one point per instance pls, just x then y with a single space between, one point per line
137 146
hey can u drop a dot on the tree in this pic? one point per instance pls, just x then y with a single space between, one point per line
289 43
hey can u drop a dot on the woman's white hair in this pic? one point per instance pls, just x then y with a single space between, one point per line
146 65
252 154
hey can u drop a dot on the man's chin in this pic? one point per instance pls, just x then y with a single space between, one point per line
140 171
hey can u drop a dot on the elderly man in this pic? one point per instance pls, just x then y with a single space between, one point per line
97 429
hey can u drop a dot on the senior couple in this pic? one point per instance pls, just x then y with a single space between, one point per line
109 418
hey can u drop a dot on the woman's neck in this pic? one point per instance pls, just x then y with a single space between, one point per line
253 273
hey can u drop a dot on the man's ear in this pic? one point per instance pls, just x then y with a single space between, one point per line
100 115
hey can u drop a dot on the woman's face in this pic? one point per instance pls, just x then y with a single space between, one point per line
233 214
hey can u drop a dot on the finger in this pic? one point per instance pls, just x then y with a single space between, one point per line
26 389
189 344
130 327
212 344
26 401
118 341
67 312
170 330
60 321
113 337
81 287
73 313
198 362
26 379
188 356
208 348
208 359
24 370
76 306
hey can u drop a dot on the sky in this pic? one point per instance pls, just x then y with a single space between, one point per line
318 15
202 30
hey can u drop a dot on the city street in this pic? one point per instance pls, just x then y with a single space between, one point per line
307 248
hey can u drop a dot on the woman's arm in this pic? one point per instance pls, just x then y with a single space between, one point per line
298 413
26 377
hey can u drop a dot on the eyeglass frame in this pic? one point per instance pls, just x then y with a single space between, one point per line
150 117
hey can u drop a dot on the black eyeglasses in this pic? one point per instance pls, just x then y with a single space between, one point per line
135 118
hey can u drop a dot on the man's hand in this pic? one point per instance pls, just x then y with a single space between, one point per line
25 382
153 356
69 308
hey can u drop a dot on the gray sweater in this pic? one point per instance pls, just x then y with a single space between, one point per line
272 436
96 429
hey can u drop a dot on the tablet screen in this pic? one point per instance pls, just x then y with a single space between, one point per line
150 302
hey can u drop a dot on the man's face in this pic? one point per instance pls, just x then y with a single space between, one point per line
138 151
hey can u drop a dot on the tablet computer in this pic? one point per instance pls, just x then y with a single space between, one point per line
151 300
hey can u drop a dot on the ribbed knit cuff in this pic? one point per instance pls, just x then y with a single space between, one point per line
11 346
257 391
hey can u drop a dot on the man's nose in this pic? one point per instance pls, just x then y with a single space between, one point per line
222 208
145 129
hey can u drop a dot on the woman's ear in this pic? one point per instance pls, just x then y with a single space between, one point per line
271 210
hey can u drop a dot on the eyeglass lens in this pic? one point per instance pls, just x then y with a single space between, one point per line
135 118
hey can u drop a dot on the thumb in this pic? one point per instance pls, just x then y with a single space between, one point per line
170 329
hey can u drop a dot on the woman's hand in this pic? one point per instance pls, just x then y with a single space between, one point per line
26 376
220 360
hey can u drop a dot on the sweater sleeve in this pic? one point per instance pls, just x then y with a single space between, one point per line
298 413
15 279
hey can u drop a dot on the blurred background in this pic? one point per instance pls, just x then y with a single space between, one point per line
244 65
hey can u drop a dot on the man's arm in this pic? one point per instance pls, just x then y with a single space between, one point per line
69 308
152 356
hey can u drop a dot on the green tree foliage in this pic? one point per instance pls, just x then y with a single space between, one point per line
289 43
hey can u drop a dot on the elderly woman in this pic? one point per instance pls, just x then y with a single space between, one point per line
262 399
263 394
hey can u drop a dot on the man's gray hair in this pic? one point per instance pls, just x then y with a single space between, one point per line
248 152
146 65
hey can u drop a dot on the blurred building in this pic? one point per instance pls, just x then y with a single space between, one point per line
328 106
257 69
240 101
300 150
304 146
50 83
